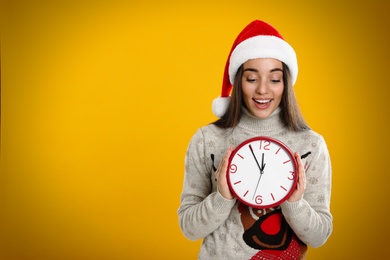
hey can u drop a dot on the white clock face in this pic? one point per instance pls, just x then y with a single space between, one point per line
261 172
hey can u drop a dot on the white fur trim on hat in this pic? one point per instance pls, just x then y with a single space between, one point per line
220 105
263 46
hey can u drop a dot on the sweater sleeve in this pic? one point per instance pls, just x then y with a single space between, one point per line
310 218
202 209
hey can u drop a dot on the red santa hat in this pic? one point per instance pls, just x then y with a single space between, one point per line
257 40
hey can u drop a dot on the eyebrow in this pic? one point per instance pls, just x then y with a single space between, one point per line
255 70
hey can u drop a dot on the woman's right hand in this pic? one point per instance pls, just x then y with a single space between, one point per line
220 176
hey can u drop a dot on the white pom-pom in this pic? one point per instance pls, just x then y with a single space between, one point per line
220 105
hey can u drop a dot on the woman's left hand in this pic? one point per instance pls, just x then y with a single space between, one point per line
301 182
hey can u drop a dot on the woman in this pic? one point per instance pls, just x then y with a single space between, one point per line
260 72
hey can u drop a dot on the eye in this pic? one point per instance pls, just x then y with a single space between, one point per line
275 80
250 80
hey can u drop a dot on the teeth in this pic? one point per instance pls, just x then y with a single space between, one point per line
262 101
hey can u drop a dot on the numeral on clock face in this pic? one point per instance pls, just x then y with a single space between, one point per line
264 145
233 168
259 199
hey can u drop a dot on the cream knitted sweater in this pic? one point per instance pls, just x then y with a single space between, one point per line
231 230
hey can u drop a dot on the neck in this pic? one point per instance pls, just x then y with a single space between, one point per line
267 126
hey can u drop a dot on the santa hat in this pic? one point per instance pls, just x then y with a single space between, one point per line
257 40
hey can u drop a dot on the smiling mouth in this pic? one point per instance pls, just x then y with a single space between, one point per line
262 101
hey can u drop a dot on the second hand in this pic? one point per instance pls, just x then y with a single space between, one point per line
260 168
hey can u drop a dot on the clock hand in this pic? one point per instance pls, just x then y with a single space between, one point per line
258 165
262 163
254 194
261 168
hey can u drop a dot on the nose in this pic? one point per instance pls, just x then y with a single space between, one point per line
262 88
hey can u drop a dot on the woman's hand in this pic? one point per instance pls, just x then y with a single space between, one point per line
301 184
220 176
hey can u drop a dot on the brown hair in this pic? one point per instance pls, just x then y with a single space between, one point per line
290 112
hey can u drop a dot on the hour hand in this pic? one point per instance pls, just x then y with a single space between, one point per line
262 163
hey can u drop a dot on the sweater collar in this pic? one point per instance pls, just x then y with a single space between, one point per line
267 126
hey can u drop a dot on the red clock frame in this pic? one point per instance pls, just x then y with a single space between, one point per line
269 140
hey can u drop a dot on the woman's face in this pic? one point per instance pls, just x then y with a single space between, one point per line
262 86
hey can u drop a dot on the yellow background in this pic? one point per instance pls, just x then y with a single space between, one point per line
99 100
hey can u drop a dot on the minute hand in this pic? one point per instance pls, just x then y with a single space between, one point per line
254 156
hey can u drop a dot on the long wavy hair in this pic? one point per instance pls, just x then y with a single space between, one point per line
290 113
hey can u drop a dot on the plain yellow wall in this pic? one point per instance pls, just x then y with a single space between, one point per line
99 100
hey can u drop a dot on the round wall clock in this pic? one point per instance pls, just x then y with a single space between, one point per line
262 172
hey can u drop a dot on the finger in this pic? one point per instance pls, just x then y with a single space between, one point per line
222 168
298 159
225 161
301 176
227 155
